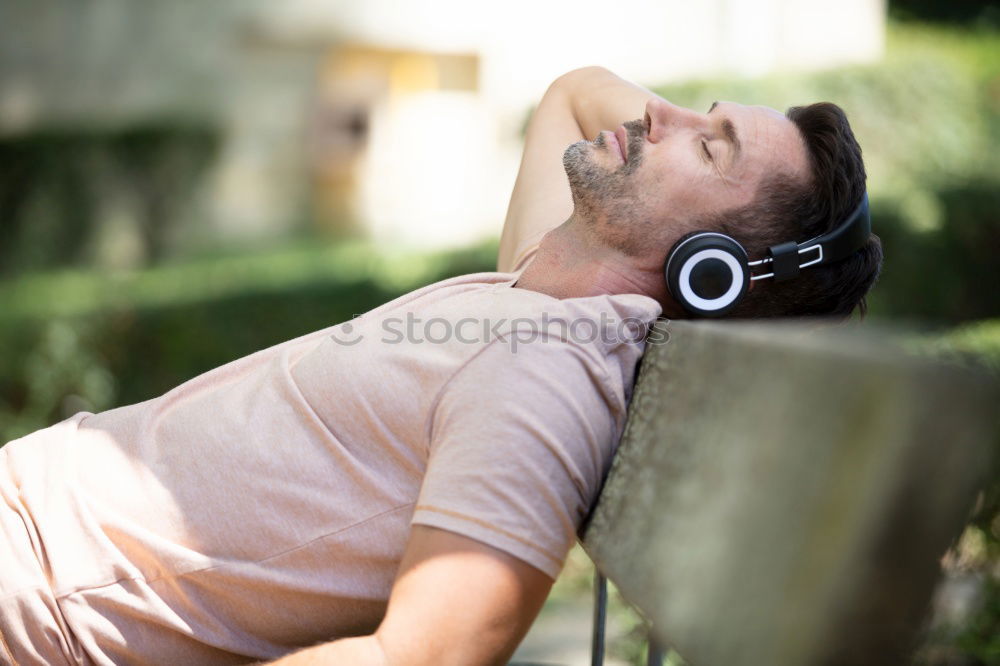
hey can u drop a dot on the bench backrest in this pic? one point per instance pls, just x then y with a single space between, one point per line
782 496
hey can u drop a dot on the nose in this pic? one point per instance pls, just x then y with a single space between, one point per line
662 118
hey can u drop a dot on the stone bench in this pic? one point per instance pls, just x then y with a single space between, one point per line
782 496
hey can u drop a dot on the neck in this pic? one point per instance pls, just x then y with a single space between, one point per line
569 264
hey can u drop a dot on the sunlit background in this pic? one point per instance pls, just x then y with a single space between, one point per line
184 183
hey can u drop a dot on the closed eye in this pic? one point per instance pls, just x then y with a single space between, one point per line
704 147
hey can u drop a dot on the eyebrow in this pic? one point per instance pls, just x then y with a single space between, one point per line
729 130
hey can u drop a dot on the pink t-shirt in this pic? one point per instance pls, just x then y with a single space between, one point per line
265 505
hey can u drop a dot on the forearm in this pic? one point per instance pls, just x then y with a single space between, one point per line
601 100
360 651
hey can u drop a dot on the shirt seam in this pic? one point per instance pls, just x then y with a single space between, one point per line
89 588
488 525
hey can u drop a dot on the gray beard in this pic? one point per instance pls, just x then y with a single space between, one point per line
604 197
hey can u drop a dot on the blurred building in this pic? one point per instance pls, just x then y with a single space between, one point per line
401 120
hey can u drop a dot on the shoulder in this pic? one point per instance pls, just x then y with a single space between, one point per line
549 355
607 334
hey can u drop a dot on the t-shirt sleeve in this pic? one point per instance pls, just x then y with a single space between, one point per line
520 441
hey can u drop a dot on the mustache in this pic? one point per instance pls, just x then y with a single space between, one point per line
636 126
635 136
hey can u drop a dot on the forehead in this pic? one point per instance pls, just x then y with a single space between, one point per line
768 139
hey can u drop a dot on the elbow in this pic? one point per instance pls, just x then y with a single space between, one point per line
579 76
589 71
576 88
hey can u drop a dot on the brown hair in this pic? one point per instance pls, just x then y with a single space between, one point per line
788 208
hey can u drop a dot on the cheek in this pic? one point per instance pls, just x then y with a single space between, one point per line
676 162
677 183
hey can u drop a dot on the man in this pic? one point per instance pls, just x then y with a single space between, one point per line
395 494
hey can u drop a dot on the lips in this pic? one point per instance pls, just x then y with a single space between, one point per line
622 136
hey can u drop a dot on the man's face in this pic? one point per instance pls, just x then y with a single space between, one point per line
645 184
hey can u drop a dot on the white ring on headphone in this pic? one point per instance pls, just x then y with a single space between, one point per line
710 304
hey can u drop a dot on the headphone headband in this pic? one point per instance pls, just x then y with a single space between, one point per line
849 237
846 239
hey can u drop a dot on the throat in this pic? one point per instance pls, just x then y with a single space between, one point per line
569 265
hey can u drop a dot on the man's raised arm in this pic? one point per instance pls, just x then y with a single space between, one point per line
576 107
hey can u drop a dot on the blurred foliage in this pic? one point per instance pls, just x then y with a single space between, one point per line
977 13
58 186
976 344
58 371
980 638
975 639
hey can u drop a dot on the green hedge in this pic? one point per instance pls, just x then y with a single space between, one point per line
56 185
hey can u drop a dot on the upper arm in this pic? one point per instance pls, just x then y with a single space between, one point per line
519 442
541 198
458 601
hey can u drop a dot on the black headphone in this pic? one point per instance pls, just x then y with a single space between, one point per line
708 273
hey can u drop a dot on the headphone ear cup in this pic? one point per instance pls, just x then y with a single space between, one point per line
707 273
